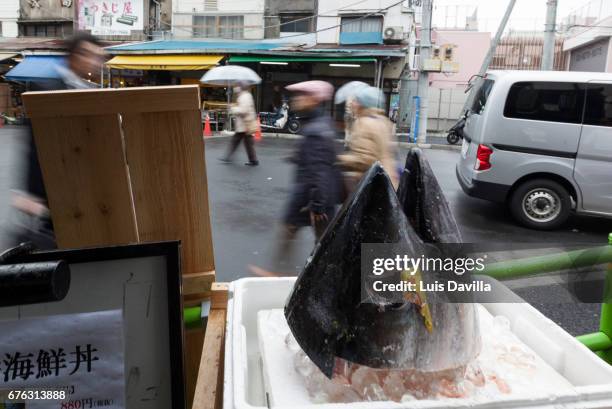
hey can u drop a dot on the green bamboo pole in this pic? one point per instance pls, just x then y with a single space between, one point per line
553 262
605 320
192 317
597 341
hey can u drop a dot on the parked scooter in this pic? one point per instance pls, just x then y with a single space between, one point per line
455 133
11 120
283 120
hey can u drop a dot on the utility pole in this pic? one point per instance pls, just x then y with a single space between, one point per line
423 82
548 55
490 55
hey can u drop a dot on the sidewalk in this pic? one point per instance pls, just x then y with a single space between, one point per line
433 141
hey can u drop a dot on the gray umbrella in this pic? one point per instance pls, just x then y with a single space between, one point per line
228 75
348 90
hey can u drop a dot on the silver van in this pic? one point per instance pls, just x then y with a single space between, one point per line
541 142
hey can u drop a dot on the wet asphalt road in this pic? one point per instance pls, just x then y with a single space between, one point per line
247 204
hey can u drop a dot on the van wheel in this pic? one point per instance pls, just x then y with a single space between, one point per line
541 204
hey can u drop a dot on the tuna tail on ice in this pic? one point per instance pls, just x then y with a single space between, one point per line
329 316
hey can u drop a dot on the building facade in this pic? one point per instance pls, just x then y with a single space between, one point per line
447 94
46 18
588 37
9 14
523 51
290 19
225 19
345 22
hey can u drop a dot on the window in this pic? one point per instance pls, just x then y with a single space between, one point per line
45 29
598 109
231 26
482 95
372 24
546 101
296 23
218 26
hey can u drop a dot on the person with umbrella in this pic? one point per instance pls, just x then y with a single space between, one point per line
346 95
246 124
240 78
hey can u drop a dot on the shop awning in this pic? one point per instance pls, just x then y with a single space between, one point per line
36 68
265 58
165 62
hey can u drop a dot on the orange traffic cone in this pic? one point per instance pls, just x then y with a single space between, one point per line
207 130
257 133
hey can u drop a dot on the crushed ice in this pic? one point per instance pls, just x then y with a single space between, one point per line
505 365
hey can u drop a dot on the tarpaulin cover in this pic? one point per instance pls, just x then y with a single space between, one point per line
36 68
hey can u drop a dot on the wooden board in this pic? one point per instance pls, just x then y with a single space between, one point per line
209 387
194 341
101 101
165 156
86 180
127 165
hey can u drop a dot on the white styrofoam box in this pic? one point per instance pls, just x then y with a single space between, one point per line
244 385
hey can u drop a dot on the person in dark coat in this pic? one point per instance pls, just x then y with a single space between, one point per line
317 185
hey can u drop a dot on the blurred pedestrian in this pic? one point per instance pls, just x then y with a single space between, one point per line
317 185
372 137
246 125
82 67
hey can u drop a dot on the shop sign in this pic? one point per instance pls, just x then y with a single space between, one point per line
63 361
110 17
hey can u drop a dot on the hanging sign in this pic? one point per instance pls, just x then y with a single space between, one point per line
110 17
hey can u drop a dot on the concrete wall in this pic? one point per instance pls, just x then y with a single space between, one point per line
199 6
470 51
397 15
591 57
273 9
444 107
9 13
48 10
252 10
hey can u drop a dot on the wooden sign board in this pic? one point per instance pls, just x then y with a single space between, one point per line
126 166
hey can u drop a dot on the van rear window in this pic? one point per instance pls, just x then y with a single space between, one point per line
546 101
481 96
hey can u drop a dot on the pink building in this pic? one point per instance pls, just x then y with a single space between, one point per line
470 50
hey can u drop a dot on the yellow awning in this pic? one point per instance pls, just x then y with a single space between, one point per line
165 62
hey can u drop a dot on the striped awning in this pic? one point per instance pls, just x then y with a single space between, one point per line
164 62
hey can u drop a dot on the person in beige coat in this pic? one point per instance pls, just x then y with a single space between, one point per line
372 137
246 125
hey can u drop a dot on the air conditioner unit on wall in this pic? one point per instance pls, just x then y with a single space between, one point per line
393 33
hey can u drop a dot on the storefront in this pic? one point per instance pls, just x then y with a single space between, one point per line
150 70
278 71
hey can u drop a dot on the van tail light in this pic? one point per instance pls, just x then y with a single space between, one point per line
483 157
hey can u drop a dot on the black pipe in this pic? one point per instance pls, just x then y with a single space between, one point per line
32 283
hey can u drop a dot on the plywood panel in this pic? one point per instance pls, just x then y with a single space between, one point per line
194 340
86 180
209 387
165 156
109 101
